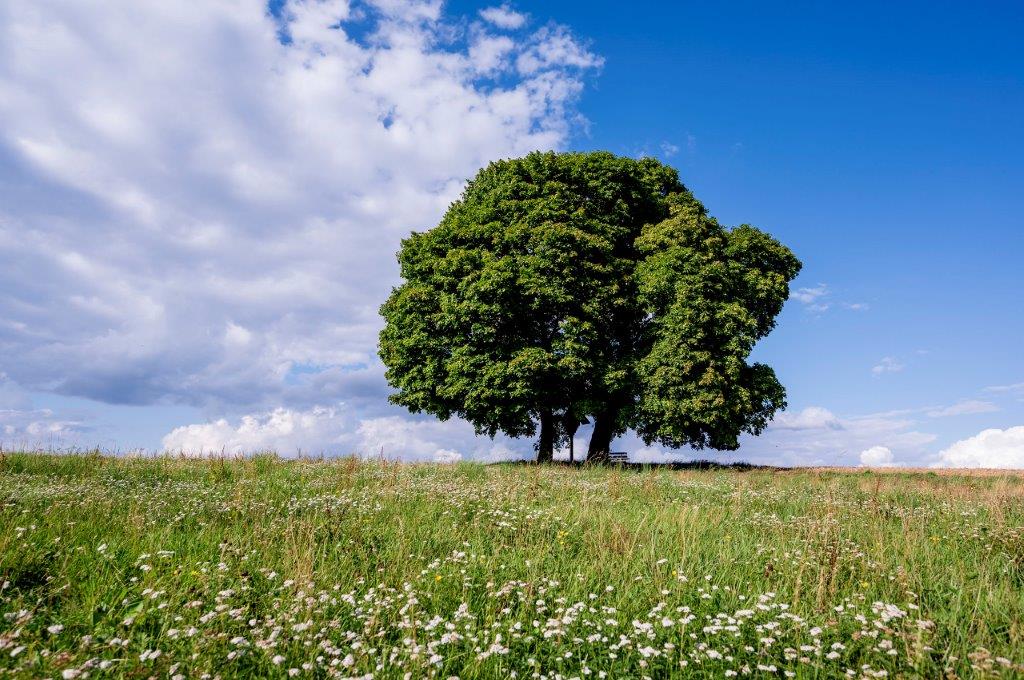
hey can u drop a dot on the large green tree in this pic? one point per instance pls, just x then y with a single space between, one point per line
561 286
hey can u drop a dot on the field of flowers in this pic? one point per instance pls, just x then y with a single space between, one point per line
264 568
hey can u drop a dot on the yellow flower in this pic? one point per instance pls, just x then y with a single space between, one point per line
437 577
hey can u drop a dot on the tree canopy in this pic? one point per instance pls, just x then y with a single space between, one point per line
567 285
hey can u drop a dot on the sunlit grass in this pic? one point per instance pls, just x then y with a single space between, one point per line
166 567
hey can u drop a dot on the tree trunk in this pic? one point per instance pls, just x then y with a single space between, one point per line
546 445
601 439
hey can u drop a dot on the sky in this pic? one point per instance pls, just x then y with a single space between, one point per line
200 205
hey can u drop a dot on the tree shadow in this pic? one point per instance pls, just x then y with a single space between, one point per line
667 465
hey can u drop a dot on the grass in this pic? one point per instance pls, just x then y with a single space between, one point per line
162 567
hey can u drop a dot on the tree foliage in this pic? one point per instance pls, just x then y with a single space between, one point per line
561 286
709 294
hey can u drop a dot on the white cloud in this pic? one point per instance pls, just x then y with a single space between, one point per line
22 426
817 436
812 298
555 46
887 365
970 406
216 194
811 418
991 448
340 430
818 299
811 436
319 430
809 295
503 17
38 429
877 456
447 456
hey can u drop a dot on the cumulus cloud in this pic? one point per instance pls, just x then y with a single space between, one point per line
810 418
992 448
216 192
38 428
503 17
811 436
555 46
877 456
319 430
339 430
447 456
887 365
817 436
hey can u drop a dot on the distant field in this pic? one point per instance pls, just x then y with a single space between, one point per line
262 568
946 472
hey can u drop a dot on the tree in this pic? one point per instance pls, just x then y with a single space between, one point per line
710 294
555 287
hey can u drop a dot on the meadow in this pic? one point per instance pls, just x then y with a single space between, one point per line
164 567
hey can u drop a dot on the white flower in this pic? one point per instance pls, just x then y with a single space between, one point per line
54 629
277 660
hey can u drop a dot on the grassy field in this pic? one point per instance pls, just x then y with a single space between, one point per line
263 568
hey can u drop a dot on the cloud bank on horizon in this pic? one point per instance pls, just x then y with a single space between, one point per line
214 194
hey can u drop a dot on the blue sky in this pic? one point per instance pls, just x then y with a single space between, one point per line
197 222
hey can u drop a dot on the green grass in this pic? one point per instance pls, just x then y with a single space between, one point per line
164 567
